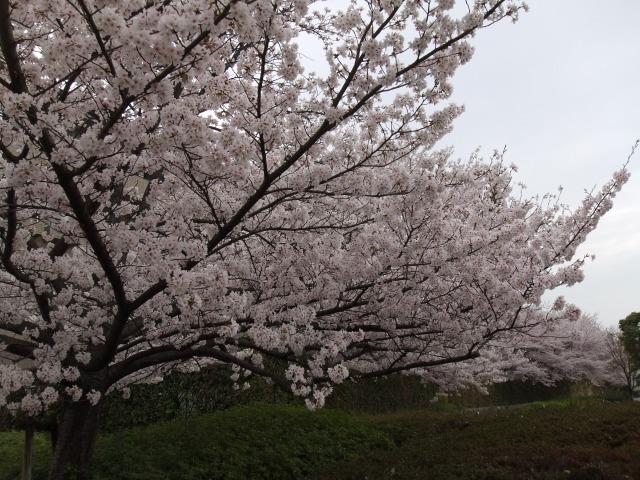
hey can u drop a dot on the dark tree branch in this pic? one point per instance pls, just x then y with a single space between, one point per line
18 83
96 33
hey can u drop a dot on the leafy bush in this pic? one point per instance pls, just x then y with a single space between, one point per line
382 395
211 390
180 396
249 442
577 441
401 392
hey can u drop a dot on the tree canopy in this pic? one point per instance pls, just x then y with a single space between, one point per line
630 337
180 188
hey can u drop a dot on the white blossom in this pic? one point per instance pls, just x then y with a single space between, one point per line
183 188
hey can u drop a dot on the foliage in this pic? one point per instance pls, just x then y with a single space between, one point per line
177 191
382 395
281 441
513 393
630 337
581 440
257 441
400 393
182 395
615 395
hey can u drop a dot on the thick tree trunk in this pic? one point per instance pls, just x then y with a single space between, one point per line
77 431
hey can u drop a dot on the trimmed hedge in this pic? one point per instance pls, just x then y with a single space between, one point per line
183 395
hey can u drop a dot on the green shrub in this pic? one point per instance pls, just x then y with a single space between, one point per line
181 395
574 441
263 442
382 395
249 442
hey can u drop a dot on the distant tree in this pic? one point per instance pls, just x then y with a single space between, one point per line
630 337
177 190
622 368
575 350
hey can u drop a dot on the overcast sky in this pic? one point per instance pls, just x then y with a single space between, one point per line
561 90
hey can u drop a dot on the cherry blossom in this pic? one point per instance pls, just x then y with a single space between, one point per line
180 189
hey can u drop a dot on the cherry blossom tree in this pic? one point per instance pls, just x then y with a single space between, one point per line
571 349
624 371
180 189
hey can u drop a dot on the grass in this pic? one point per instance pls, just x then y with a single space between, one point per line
573 441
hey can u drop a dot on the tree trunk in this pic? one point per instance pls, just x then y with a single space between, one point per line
27 456
77 431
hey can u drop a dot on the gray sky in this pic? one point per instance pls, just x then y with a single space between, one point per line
561 90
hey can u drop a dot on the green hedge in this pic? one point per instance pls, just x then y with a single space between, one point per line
183 395
257 442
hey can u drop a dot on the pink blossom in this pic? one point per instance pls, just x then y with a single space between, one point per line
182 188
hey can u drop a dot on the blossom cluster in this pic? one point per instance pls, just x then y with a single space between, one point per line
179 189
